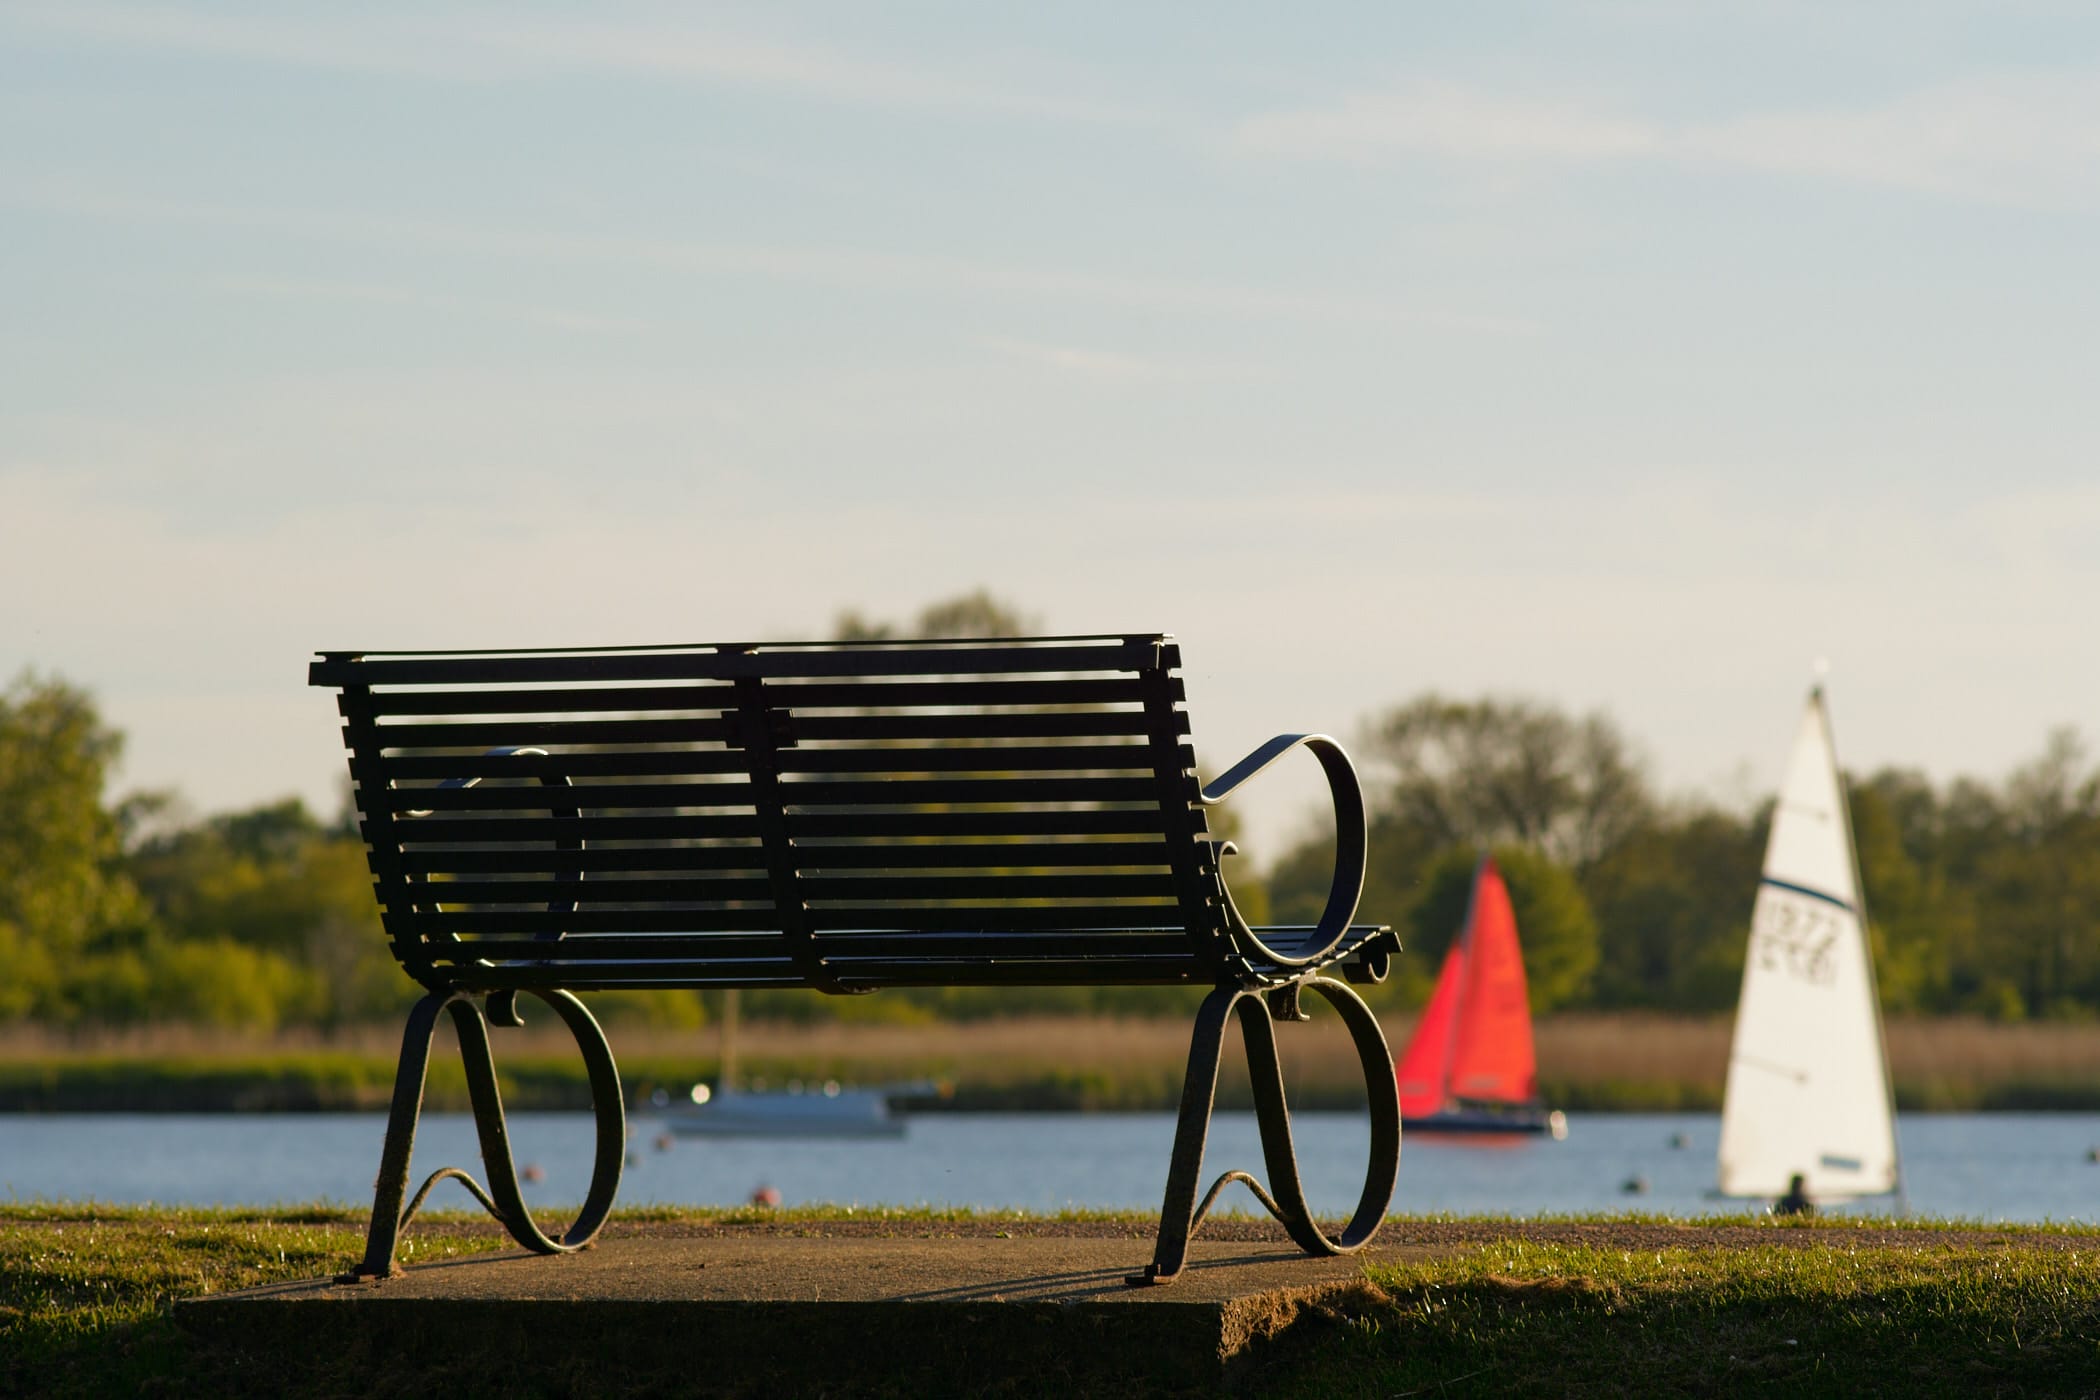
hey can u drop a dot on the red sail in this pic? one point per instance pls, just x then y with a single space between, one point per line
1491 1057
1425 1066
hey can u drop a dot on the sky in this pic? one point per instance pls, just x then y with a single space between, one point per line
1626 356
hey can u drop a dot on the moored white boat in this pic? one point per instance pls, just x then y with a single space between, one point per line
829 1110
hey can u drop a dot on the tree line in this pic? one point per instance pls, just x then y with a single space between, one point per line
1983 898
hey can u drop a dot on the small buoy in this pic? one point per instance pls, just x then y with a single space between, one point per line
1680 1141
2092 1154
533 1172
1635 1186
634 1159
767 1196
664 1141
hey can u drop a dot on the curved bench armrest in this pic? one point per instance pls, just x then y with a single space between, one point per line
505 1013
500 751
1351 844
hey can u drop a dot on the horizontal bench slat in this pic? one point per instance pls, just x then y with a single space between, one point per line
902 791
915 888
921 694
989 919
480 735
1063 821
1104 971
613 947
702 705
585 949
666 763
439 829
543 799
988 758
678 762
970 854
614 976
1069 724
1077 972
429 924
542 861
588 893
947 856
378 669
920 887
906 791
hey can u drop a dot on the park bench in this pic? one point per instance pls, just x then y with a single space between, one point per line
837 816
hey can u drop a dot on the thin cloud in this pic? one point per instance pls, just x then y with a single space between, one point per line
2022 138
857 269
500 46
2005 139
302 290
1114 365
1447 120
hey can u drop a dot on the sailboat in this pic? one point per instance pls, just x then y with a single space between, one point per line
1808 1085
1471 1067
828 1109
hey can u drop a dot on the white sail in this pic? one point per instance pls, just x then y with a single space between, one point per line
1807 1077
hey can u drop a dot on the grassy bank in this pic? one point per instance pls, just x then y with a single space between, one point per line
1521 1318
1504 1308
1595 1063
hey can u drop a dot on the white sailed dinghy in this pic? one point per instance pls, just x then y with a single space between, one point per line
1808 1086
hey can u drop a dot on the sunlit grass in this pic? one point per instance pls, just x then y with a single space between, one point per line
1518 1317
1537 1306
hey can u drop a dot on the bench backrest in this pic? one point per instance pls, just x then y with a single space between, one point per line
840 815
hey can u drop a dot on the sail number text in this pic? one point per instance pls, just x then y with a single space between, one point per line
1795 936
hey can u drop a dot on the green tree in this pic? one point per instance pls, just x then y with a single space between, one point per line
1918 920
1554 923
1495 772
1673 901
974 614
62 889
274 881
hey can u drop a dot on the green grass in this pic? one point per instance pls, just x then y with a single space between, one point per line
1516 1318
1840 1309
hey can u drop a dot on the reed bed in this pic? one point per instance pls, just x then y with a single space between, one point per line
1596 1062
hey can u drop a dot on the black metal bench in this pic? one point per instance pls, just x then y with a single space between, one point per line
837 816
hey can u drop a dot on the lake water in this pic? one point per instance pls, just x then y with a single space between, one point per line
2007 1167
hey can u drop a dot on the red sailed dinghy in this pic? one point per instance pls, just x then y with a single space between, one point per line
1470 1067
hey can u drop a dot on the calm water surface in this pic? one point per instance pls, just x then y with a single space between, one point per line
2011 1167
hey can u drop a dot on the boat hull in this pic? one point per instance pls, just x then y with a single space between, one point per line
848 1114
1484 1121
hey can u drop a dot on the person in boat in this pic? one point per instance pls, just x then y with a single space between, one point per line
1795 1201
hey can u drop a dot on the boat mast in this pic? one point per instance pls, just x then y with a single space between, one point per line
725 1078
1866 933
1465 976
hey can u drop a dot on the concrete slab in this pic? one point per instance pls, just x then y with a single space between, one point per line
845 1315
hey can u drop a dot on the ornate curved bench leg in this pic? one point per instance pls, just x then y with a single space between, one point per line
1273 1114
1382 1091
504 1200
494 1129
1180 1216
1199 1090
400 1141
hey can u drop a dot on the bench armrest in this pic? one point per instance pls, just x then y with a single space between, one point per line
507 1014
1351 845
